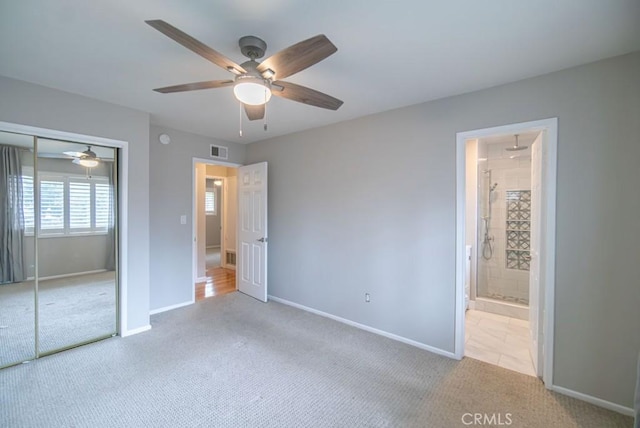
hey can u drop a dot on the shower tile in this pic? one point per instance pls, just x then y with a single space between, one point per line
524 182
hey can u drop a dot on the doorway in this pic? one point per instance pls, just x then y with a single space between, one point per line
505 246
215 213
59 272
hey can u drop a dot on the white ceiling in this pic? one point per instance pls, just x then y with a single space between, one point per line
390 54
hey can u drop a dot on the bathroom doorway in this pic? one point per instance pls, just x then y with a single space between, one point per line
506 200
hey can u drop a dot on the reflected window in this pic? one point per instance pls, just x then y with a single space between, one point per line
68 204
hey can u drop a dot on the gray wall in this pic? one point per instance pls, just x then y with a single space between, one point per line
369 206
170 197
28 104
67 255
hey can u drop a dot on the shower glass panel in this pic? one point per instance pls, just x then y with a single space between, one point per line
17 250
77 281
504 200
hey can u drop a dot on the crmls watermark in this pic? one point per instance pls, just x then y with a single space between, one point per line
491 419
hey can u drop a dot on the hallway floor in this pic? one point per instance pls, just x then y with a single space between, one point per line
498 340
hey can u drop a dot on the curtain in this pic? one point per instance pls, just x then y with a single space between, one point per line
111 235
12 264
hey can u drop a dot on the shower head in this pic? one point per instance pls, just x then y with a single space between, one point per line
516 147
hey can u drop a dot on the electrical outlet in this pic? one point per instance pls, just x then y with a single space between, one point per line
183 219
367 297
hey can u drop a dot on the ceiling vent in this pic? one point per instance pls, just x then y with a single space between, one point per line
219 152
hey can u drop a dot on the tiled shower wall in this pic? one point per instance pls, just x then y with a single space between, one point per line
495 280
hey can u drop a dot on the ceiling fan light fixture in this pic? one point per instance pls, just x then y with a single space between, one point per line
252 90
88 163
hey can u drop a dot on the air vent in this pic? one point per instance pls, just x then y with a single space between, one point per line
231 258
219 152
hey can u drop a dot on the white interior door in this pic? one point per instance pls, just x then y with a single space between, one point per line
535 302
252 233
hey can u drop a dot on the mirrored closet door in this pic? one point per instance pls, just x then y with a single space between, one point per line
76 244
17 250
65 204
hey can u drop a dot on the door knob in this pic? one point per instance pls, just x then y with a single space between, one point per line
262 240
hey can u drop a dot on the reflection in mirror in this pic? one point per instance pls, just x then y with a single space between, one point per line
17 251
76 244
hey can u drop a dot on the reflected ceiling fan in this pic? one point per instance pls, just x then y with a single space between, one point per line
255 82
88 158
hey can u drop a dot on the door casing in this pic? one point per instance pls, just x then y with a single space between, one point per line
194 217
548 222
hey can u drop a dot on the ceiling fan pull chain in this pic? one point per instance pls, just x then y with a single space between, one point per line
265 108
240 119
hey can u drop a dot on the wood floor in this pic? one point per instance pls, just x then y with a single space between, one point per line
219 281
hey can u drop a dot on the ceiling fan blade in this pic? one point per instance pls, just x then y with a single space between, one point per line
305 95
298 57
254 112
209 84
194 45
73 154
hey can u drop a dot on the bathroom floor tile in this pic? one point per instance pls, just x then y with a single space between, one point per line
517 364
498 340
473 350
520 323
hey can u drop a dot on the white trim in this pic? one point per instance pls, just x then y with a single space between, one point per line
194 231
68 275
594 400
202 279
58 135
123 193
550 143
549 177
365 327
215 162
170 307
126 333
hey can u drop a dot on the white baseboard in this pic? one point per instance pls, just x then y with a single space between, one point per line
136 330
67 275
593 400
366 328
168 308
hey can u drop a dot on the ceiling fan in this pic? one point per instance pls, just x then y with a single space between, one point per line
255 82
88 158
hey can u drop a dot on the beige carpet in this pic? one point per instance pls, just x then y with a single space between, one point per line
231 361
